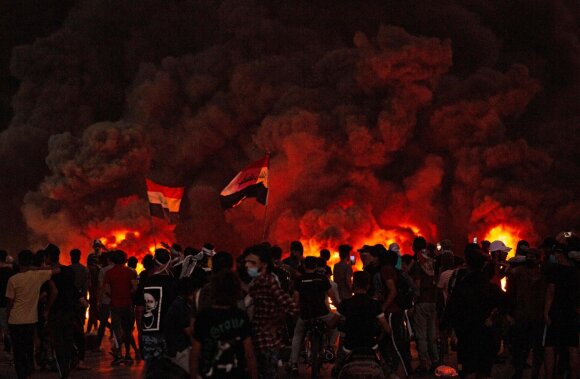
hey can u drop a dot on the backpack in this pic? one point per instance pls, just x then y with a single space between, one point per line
405 290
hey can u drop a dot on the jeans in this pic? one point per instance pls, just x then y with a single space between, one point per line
425 322
23 347
268 363
300 332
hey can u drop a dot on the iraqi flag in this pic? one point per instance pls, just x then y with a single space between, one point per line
164 201
252 181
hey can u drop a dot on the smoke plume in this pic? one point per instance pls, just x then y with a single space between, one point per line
385 120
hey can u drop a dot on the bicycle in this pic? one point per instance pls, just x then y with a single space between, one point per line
315 351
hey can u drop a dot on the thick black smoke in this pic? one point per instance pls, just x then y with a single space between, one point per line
449 118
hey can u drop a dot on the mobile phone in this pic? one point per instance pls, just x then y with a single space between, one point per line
352 259
474 239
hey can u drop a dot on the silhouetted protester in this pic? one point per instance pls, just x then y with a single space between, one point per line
271 304
63 310
119 285
103 300
6 271
397 298
221 261
312 289
363 320
81 274
222 344
152 300
561 311
425 311
148 263
526 290
343 272
296 256
94 266
178 328
22 292
132 263
471 310
369 256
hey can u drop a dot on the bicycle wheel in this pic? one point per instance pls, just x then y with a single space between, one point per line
315 341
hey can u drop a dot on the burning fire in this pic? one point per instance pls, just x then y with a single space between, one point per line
403 235
133 242
509 235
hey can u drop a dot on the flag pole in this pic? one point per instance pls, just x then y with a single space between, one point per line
267 200
151 217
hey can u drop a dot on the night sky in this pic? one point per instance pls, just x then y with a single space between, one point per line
447 117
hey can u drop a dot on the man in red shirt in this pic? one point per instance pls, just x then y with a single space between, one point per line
119 285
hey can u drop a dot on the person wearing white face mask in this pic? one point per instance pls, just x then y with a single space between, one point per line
270 304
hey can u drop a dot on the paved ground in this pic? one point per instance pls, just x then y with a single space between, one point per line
100 367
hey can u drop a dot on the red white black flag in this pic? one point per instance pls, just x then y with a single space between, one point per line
164 201
252 181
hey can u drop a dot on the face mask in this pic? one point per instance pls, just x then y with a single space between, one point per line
253 272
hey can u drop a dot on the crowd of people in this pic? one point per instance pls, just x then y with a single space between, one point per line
207 314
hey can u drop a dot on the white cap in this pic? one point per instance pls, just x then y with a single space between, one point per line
394 247
499 246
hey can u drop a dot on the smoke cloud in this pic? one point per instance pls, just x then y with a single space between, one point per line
385 120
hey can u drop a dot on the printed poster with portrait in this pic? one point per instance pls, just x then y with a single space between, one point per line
153 301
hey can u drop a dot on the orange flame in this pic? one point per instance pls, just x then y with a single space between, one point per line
509 235
403 235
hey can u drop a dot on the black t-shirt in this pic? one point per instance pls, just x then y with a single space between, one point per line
155 294
221 333
361 327
565 301
312 288
5 274
178 318
67 298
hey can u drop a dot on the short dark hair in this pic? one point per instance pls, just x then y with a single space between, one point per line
75 255
419 243
3 255
226 288
132 262
276 252
325 254
361 280
311 263
222 260
344 251
190 251
162 256
148 262
296 246
264 253
119 257
25 258
53 253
